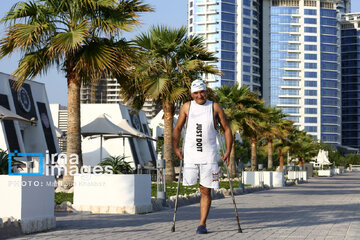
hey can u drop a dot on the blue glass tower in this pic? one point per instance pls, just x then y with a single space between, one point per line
350 55
330 73
301 64
231 29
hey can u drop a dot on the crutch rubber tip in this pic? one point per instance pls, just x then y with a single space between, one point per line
173 229
239 231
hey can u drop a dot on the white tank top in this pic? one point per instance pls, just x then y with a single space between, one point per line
200 139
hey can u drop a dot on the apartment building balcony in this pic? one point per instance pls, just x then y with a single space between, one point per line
298 69
212 40
289 96
283 105
206 3
292 59
294 51
290 87
211 22
295 40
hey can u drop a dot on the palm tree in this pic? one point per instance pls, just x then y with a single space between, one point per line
170 60
252 125
81 37
272 129
304 146
282 142
230 97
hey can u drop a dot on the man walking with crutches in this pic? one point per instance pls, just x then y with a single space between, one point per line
200 151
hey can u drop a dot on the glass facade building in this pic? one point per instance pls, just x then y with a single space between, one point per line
231 29
302 55
350 55
302 67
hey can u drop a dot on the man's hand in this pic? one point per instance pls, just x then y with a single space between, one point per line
178 153
226 157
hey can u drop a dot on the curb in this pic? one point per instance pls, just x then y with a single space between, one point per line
183 200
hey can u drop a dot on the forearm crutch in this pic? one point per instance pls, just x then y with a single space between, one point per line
177 196
231 186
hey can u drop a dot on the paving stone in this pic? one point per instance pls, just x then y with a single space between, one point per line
322 208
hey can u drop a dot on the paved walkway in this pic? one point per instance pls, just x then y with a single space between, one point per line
323 208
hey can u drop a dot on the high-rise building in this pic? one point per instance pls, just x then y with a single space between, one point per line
350 56
231 29
291 51
301 63
107 91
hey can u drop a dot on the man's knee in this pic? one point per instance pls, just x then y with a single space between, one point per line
205 191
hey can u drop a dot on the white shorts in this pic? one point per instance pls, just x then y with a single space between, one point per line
209 174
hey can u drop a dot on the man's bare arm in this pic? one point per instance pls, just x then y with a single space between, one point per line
177 130
227 131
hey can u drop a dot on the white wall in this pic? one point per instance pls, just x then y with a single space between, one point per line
29 199
120 193
10 200
26 196
38 200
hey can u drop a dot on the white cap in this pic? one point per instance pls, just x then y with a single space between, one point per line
198 85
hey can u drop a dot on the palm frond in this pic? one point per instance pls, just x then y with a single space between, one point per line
179 95
70 42
21 10
32 65
159 86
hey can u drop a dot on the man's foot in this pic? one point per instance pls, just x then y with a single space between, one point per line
201 230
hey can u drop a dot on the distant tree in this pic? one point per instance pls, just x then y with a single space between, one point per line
283 143
237 103
273 128
303 146
252 126
243 151
353 159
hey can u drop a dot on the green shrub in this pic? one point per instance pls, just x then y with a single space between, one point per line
4 163
63 197
118 164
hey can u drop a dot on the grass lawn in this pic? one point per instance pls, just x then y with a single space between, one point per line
170 190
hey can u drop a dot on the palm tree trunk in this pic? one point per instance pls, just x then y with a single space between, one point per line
270 153
232 164
168 109
73 131
281 154
253 142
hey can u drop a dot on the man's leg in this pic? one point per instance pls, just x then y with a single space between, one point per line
205 203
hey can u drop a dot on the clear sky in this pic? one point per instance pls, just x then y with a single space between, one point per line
170 12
